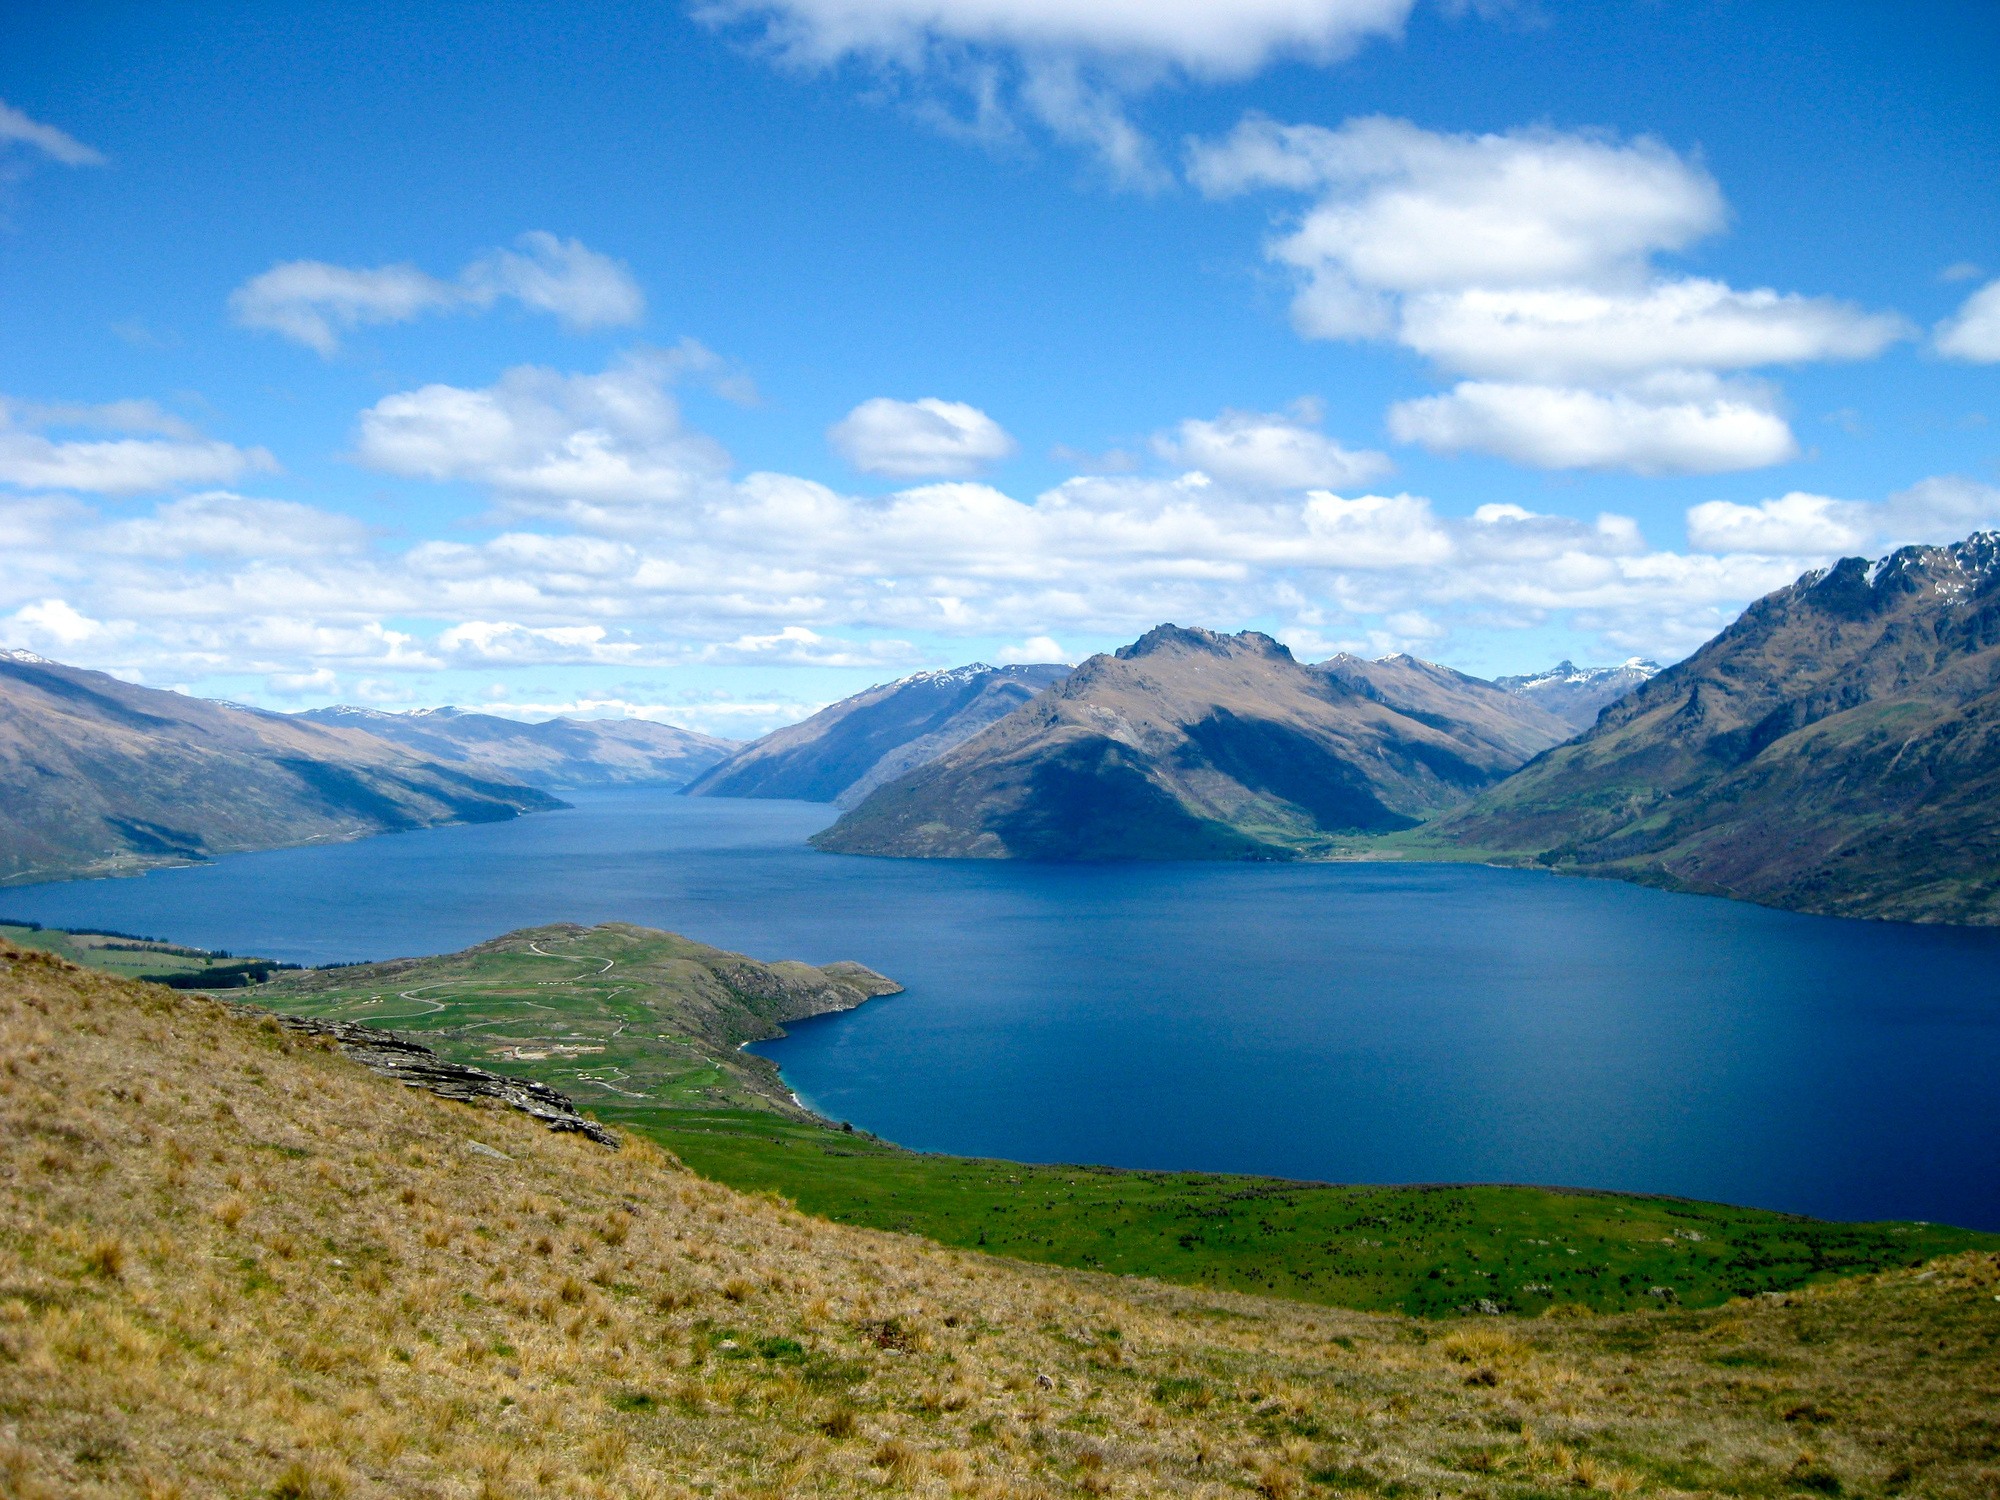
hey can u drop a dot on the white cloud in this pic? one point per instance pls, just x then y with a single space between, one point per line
29 459
1553 427
219 524
1973 332
1034 651
313 302
1403 209
629 545
51 142
1794 525
1070 68
1270 450
1810 528
1526 260
584 445
563 277
1205 39
53 624
922 439
504 643
1580 334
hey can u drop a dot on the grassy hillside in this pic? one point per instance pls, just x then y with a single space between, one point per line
132 957
234 1264
641 1029
1429 1251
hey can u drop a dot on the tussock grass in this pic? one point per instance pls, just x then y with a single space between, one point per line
234 1264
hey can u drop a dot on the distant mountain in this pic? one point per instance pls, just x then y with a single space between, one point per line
1835 750
1472 710
98 777
553 753
843 752
1576 695
1191 745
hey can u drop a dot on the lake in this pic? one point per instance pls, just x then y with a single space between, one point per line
1354 1022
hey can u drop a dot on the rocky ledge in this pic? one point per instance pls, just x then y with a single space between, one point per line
415 1066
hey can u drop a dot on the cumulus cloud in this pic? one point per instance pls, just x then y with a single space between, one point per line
1794 525
1557 427
1270 450
584 445
627 543
1816 527
1034 651
978 67
220 524
314 303
924 439
1973 332
131 465
1526 261
1218 41
17 128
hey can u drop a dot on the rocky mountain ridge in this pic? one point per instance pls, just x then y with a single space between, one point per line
1192 744
1576 695
1836 750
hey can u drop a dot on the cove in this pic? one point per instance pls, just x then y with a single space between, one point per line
1355 1022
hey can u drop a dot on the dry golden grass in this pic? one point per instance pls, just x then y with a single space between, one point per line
234 1264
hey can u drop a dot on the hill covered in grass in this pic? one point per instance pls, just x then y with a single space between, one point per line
233 1263
644 1029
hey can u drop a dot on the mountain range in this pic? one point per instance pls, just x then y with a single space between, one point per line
1192 744
1836 750
552 754
100 777
843 752
1577 695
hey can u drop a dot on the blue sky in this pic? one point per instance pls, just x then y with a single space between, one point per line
492 358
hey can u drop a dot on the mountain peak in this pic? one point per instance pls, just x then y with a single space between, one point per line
1189 640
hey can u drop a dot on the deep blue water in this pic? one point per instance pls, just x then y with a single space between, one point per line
1375 1023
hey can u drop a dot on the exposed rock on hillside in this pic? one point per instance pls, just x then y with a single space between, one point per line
1189 745
100 777
843 752
416 1065
1835 750
553 754
1577 695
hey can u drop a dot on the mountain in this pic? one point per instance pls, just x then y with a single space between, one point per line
98 777
1835 750
843 752
1471 709
552 753
1191 745
1576 695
